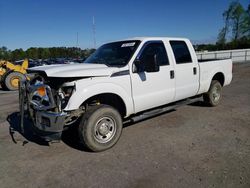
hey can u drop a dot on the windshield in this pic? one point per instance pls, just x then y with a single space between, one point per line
114 54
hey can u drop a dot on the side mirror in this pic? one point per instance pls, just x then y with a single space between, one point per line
151 63
137 66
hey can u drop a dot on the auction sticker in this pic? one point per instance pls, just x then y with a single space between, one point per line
128 44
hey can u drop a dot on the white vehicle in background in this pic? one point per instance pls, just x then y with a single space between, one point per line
125 80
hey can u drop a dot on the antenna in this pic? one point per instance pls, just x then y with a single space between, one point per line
94 32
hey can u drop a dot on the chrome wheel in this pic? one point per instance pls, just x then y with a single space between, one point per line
105 129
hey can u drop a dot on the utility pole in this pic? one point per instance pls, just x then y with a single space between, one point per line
94 32
77 44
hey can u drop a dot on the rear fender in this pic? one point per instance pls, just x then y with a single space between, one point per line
207 79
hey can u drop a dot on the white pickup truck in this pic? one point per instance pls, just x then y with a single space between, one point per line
124 80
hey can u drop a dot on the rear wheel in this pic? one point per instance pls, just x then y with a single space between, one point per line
213 96
100 127
11 80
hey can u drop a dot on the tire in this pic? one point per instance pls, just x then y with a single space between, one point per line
2 80
100 128
10 79
214 94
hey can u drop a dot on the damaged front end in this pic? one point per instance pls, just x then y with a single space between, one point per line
42 100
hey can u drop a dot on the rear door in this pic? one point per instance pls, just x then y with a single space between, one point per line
152 89
186 71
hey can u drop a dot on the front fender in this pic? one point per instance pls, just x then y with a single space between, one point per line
83 93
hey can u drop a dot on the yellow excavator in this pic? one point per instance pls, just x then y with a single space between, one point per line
10 74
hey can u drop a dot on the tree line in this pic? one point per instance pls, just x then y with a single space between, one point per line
235 34
44 53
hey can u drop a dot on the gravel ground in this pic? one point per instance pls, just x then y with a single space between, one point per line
194 146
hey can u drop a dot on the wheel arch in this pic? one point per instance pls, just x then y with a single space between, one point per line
219 76
110 99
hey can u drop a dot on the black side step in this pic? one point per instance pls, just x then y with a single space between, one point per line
163 109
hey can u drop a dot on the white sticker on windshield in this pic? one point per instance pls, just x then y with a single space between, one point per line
128 44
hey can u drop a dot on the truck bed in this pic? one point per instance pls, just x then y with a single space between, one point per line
209 68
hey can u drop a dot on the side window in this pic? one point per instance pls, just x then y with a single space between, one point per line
181 52
155 48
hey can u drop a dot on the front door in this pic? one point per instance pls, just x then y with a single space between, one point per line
152 89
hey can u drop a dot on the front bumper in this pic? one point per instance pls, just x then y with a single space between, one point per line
46 124
49 125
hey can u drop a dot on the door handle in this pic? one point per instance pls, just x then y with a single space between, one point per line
194 70
171 74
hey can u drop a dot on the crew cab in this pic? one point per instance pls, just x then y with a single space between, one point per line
124 80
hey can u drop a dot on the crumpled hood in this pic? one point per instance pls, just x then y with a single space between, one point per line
75 70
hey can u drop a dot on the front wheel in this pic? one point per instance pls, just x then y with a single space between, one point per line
213 96
100 127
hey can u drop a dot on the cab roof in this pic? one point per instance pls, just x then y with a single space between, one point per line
144 39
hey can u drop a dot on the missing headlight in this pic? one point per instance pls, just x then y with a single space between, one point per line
68 90
65 94
36 79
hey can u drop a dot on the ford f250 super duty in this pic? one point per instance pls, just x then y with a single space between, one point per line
124 80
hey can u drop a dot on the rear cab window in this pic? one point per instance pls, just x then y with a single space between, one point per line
181 52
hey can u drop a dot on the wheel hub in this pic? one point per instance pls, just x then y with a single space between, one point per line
216 94
105 129
14 81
